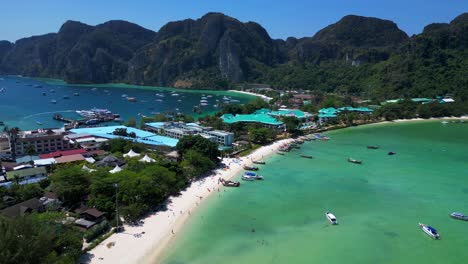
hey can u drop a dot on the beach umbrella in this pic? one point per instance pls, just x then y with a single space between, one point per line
131 154
116 169
146 158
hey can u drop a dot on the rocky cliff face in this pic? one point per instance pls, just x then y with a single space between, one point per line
217 49
221 46
78 53
363 39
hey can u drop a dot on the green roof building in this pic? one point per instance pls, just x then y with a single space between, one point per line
326 114
26 173
260 118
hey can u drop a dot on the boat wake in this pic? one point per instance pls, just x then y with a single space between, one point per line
47 113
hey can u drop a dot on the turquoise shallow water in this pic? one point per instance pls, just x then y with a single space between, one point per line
22 105
378 204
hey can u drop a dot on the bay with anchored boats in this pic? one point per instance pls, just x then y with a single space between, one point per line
378 204
31 103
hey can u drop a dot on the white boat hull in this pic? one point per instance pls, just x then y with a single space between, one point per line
426 229
331 218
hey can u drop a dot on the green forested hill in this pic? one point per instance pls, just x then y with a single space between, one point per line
357 55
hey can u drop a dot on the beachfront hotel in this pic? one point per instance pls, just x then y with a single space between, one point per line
266 117
178 130
144 137
260 119
330 113
41 141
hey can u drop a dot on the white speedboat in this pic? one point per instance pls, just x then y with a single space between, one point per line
430 231
250 176
332 218
460 216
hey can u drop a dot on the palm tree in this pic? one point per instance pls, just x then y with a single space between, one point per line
30 151
13 133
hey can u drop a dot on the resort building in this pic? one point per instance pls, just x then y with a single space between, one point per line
285 112
257 118
327 114
86 141
27 175
33 205
142 136
5 151
300 99
438 99
179 129
41 141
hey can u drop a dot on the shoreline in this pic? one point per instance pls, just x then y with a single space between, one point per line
396 121
161 228
264 97
128 86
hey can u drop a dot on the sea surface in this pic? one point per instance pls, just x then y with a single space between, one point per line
378 204
24 105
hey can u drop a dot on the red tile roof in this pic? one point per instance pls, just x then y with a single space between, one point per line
62 153
70 158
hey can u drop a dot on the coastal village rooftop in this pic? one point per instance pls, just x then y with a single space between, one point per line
332 112
251 118
179 129
142 136
265 116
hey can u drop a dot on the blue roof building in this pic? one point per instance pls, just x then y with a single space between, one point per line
142 136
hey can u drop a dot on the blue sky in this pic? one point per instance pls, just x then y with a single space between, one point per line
298 18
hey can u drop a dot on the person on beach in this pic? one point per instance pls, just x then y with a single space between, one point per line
173 231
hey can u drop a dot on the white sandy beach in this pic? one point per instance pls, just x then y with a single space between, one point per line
448 118
132 246
264 97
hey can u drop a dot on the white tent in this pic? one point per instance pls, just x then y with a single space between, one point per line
131 154
85 168
146 158
90 160
116 169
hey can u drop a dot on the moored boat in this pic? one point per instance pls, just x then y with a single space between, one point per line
332 218
280 153
430 231
354 161
258 162
230 183
53 101
459 216
391 153
76 94
251 176
131 99
372 147
306 156
250 168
